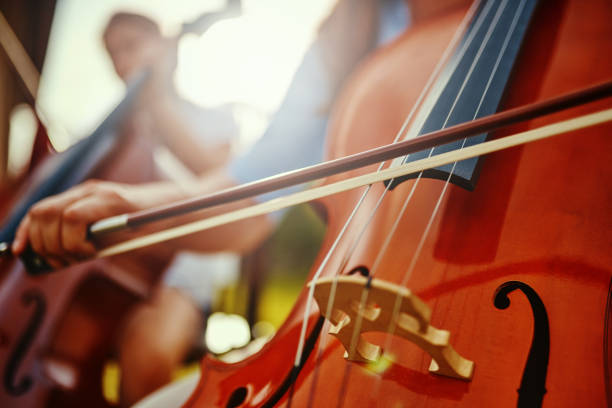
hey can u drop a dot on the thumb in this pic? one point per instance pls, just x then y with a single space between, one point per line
21 236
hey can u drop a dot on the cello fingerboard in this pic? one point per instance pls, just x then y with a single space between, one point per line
472 84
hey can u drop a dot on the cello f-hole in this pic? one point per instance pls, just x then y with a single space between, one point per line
35 297
533 384
237 397
361 269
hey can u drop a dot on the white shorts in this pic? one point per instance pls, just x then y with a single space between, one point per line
201 275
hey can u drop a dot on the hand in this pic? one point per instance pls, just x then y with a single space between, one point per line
56 227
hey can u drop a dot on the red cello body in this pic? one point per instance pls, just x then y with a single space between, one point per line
58 330
517 270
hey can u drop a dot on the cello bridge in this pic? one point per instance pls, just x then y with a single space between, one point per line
356 305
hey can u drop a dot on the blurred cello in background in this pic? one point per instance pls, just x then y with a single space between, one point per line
57 331
507 253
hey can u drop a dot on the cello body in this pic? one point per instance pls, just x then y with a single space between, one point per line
517 270
58 330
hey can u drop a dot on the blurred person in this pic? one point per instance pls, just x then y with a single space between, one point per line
294 139
159 333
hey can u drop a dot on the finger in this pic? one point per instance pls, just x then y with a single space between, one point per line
63 200
49 230
35 237
21 236
74 240
42 228
75 222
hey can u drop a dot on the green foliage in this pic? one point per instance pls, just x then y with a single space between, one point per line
296 242
288 257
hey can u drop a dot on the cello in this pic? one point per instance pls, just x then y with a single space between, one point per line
530 227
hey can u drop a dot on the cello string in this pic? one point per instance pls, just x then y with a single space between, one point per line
407 131
356 332
460 55
446 55
435 75
408 274
397 303
364 295
417 253
385 245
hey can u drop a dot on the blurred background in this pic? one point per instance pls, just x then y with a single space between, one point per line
245 62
